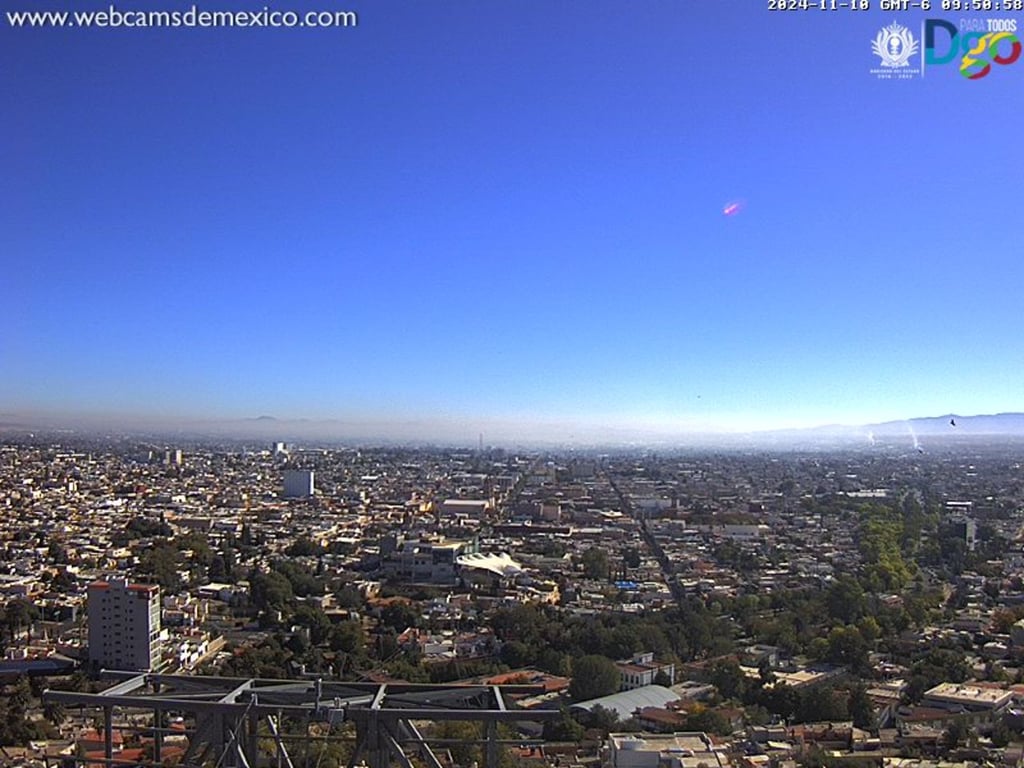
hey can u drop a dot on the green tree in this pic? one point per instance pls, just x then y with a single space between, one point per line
595 563
940 665
399 616
162 563
861 709
465 736
218 571
347 637
303 546
604 719
779 700
271 592
297 643
18 615
728 678
147 528
303 582
348 597
869 629
63 582
592 677
709 721
517 654
845 600
19 696
565 729
519 622
315 620
57 552
879 538
555 662
54 712
820 703
198 546
1001 734
846 646
268 659
956 734
318 750
623 641
403 669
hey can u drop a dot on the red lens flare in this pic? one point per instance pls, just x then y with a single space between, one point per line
732 208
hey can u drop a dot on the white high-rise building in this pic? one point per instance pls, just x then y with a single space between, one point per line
124 625
298 483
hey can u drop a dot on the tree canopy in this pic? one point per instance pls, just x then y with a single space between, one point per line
592 677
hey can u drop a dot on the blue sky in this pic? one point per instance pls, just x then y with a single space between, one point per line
480 211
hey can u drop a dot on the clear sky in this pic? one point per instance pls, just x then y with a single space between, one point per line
508 211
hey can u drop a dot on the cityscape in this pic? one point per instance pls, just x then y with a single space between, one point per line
742 607
493 384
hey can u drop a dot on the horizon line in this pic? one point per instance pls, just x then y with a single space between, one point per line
497 430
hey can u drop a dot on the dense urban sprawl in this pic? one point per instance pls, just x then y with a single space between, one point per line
744 608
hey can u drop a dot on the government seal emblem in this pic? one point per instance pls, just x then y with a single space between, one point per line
894 45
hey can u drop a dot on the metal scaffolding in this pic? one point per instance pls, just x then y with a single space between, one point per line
228 714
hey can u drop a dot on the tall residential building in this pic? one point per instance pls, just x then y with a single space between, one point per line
298 483
966 528
124 625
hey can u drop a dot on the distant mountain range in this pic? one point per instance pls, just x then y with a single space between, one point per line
438 431
951 423
949 426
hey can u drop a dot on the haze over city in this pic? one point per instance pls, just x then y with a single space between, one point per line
462 218
511 384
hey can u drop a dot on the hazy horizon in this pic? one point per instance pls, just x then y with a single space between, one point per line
490 432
